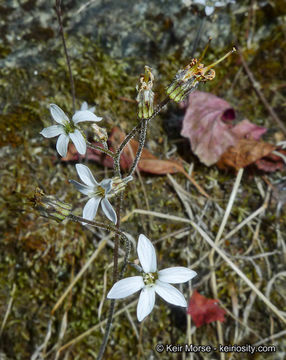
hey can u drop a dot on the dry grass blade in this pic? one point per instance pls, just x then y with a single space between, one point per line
101 245
95 327
211 256
9 307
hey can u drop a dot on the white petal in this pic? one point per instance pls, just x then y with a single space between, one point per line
85 175
219 3
84 106
209 10
106 184
92 109
170 294
90 209
52 131
62 144
176 275
202 2
85 115
147 254
58 115
108 210
84 189
78 141
126 287
146 302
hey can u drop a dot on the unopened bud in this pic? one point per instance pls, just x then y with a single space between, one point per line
50 207
100 134
119 184
187 79
145 97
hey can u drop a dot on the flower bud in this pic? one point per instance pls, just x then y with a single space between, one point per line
50 207
119 184
145 97
187 79
100 134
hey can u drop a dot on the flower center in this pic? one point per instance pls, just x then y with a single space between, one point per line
69 127
150 278
100 191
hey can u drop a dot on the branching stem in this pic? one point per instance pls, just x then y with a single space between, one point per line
59 15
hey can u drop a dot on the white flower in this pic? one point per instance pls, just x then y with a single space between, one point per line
210 5
67 129
98 192
152 281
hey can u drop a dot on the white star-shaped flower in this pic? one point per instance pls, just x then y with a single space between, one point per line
67 129
210 5
98 192
152 281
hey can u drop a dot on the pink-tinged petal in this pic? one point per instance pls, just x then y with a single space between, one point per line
176 275
170 294
85 115
62 144
85 175
147 254
84 189
108 210
146 302
126 287
78 141
52 131
58 115
90 209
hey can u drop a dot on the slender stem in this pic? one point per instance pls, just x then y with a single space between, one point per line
99 148
115 278
142 139
107 330
133 133
254 83
99 225
59 15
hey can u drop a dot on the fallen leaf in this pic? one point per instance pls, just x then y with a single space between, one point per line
91 154
204 310
272 162
246 129
203 124
244 153
207 124
148 162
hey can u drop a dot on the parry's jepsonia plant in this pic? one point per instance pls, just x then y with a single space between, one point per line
152 281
